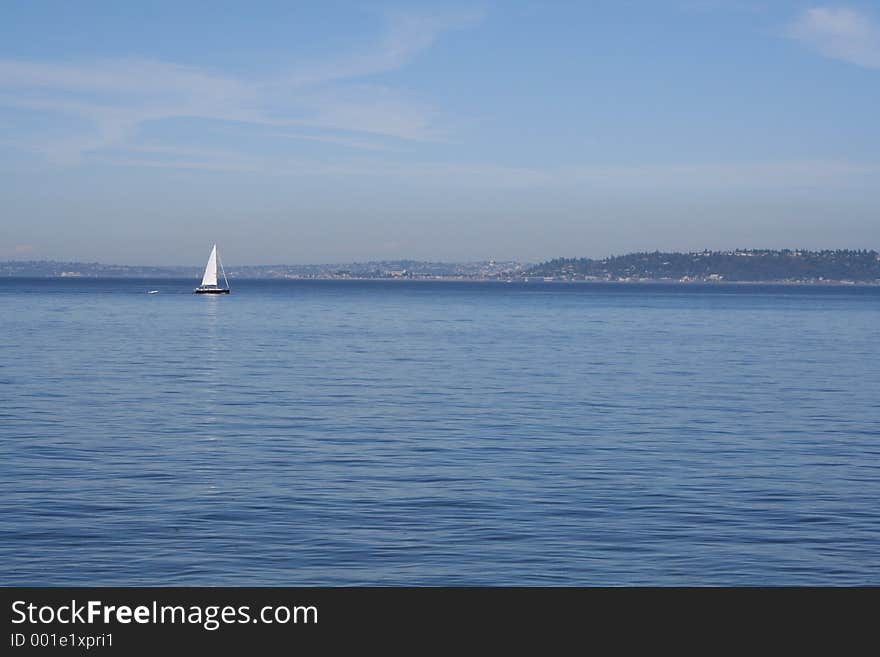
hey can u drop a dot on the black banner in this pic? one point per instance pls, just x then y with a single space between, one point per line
155 620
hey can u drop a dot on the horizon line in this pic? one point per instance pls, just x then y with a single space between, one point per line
458 262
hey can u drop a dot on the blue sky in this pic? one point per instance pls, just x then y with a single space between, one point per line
327 132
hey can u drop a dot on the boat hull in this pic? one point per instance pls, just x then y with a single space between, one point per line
211 290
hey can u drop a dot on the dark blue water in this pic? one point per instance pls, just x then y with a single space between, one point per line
438 433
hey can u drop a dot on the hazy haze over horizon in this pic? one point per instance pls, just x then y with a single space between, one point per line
341 132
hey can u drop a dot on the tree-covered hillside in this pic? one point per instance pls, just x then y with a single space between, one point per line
740 265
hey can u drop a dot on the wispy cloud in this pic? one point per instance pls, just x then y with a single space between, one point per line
840 33
351 142
406 35
333 101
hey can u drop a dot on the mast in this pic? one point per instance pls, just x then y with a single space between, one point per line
220 262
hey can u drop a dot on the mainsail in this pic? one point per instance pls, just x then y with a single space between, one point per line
210 277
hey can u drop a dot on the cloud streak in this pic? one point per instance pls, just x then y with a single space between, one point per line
840 33
332 101
406 35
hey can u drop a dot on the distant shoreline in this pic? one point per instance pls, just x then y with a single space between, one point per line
742 266
451 279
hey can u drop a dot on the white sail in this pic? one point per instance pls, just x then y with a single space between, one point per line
210 277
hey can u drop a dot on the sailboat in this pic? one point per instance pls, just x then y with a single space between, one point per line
209 280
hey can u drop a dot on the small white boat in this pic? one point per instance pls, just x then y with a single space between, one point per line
209 280
152 291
